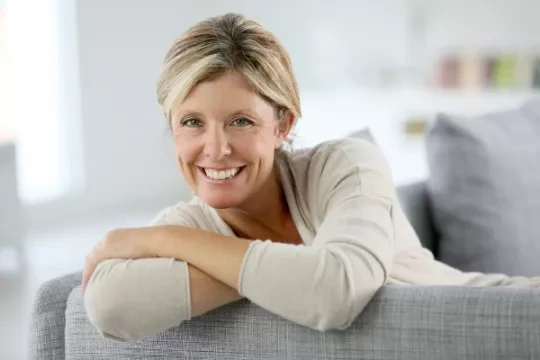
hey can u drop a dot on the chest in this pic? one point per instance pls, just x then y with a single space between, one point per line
291 234
287 233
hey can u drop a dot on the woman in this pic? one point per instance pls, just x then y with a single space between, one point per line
309 235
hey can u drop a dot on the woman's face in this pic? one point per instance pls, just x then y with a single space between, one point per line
225 136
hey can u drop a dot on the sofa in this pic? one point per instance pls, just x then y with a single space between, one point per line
478 211
400 322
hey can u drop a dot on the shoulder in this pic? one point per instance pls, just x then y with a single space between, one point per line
337 170
339 155
190 214
182 213
195 214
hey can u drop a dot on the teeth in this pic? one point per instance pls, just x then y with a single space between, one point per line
220 175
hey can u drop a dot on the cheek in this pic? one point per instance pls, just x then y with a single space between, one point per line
256 143
185 148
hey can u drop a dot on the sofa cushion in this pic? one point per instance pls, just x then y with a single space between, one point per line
363 134
485 190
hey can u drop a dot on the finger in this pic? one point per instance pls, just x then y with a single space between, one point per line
84 280
87 274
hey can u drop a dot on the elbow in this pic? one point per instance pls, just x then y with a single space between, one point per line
116 317
120 299
343 301
105 311
342 313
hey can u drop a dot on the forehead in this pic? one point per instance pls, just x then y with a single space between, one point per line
222 96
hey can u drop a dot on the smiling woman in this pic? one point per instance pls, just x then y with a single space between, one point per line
310 235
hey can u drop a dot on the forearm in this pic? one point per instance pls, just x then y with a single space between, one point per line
311 286
131 299
494 279
217 255
208 293
316 287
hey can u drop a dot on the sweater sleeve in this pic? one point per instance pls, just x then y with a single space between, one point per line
326 285
121 300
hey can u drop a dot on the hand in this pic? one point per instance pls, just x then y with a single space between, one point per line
134 243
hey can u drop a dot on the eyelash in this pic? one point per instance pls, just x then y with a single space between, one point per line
249 122
187 121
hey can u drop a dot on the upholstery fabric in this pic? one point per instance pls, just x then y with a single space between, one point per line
46 339
485 188
401 322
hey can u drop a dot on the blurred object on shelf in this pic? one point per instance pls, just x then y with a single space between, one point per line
415 125
487 72
536 74
524 72
475 71
470 72
447 73
503 73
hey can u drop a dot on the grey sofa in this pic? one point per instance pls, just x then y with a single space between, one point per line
401 322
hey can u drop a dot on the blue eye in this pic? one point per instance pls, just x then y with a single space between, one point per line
191 123
242 122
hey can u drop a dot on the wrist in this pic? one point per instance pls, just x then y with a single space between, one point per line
161 245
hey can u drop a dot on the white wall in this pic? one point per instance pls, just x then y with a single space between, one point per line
488 25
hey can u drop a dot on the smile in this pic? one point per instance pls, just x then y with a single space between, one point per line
223 174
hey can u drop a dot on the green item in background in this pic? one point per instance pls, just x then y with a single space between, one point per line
503 72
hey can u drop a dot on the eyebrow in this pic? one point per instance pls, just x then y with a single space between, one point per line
246 111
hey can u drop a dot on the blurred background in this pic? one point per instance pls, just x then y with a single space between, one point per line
84 147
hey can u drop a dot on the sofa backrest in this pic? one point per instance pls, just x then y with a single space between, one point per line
414 200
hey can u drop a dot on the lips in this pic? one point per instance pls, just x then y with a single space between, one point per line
221 174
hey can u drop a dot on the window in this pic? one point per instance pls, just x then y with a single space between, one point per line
40 94
7 131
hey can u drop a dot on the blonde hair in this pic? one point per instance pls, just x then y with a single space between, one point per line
229 43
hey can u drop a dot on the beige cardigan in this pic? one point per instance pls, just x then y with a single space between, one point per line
356 238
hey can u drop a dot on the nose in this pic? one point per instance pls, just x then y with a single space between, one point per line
216 145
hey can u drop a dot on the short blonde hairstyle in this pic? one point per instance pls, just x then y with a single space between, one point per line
229 43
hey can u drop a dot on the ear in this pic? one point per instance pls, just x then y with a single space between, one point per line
284 127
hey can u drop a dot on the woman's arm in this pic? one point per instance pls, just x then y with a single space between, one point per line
324 286
207 293
130 299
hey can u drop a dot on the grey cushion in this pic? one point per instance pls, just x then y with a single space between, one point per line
485 190
363 134
400 322
416 204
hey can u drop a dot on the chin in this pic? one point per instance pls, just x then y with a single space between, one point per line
220 201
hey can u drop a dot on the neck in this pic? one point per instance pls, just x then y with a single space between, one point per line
267 209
